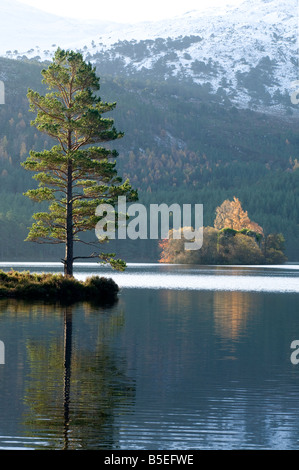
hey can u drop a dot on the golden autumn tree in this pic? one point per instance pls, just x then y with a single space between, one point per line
231 215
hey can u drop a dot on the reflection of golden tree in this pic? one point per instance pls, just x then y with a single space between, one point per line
176 301
230 313
73 391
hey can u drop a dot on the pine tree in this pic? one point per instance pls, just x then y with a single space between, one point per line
76 175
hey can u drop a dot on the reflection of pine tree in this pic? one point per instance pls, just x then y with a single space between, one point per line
74 391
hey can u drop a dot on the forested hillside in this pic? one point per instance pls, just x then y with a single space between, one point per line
182 144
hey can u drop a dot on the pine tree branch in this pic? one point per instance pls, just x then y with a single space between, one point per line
92 256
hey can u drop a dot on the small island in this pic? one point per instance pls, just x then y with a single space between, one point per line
56 287
234 240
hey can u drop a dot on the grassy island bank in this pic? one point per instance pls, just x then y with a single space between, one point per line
56 287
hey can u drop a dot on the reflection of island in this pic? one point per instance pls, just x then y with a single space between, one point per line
231 310
76 387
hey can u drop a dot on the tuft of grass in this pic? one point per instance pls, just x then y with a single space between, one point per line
56 287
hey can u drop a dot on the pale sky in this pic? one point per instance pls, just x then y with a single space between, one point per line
124 10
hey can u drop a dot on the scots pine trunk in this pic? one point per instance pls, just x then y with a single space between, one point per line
69 242
69 245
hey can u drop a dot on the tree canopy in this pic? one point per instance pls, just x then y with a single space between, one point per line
231 215
75 175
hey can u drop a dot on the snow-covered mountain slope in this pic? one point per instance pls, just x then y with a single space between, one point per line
249 53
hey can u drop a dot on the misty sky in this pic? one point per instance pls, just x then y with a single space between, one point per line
124 11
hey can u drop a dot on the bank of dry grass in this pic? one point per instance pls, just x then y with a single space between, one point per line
56 287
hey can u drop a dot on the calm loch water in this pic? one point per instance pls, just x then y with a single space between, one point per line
189 358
